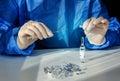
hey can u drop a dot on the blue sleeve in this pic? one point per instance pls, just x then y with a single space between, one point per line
9 20
9 42
112 35
97 9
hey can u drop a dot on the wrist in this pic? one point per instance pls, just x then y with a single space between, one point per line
20 44
98 41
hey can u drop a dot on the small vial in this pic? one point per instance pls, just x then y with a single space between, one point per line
82 51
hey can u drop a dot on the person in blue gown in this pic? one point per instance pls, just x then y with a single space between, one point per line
26 25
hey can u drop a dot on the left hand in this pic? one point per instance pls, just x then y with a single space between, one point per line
95 29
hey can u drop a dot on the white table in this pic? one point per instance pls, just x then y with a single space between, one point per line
101 65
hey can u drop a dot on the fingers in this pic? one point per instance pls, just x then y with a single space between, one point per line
98 20
105 21
95 29
30 32
101 23
91 23
88 24
40 30
49 32
33 33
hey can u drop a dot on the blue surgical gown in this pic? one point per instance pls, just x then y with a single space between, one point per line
63 17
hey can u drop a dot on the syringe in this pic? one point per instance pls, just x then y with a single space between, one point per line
82 51
54 32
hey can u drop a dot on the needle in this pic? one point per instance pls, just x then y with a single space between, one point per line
35 37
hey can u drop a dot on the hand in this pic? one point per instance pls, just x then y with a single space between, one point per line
30 32
95 29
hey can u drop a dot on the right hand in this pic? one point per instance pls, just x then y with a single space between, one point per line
95 29
32 31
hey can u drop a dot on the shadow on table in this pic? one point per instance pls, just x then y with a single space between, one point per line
18 68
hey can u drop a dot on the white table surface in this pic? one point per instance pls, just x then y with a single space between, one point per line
101 65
